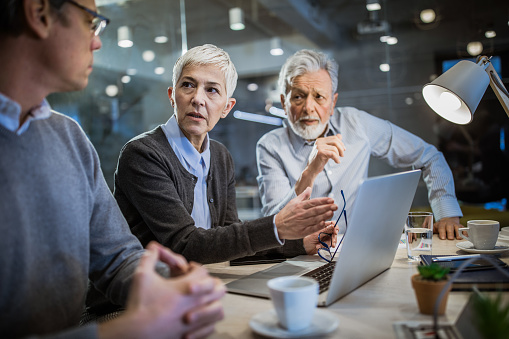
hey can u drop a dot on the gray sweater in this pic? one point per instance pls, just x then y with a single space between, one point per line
156 193
60 226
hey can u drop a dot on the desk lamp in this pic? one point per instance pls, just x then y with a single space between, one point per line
456 94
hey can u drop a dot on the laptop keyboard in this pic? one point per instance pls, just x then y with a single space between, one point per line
323 275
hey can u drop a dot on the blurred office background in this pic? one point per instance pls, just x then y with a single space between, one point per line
385 56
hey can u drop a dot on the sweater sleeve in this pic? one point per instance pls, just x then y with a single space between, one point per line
157 207
114 250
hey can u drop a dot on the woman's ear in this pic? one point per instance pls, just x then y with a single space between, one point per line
229 105
170 91
38 17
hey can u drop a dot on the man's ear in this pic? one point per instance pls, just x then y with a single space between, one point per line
38 17
229 105
282 97
334 100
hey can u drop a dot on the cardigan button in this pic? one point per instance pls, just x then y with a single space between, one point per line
211 200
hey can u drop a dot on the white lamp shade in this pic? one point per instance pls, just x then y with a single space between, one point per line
456 94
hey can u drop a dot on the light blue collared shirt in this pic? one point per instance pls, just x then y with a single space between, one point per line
10 112
197 164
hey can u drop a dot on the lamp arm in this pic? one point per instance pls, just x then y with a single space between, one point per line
498 87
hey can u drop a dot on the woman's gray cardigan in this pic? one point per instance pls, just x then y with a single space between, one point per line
155 193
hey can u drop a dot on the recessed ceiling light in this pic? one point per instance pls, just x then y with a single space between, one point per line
384 38
392 40
131 71
111 90
125 79
427 15
474 48
385 67
252 87
161 39
490 34
148 56
159 70
373 5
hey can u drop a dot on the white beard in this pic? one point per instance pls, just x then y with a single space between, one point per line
307 132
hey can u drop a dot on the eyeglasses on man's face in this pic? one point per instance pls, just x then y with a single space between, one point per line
325 251
99 22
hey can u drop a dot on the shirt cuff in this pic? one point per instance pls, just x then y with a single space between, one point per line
282 242
446 209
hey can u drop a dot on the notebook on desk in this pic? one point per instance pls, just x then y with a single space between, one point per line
369 246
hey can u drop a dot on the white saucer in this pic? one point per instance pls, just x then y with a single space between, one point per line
467 246
267 324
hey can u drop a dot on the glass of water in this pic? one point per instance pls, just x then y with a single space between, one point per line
419 234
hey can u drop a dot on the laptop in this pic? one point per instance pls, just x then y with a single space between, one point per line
375 225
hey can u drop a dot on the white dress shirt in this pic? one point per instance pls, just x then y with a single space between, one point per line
282 156
197 164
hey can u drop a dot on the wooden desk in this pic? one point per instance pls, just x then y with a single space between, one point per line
367 312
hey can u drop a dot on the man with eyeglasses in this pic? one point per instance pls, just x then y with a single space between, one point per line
298 155
60 224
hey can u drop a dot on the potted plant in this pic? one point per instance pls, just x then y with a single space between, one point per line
491 316
428 284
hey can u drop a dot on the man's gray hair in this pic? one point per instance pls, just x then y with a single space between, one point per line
306 61
208 55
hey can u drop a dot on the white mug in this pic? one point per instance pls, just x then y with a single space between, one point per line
483 234
295 300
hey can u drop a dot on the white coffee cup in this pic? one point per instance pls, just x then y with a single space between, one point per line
295 300
483 234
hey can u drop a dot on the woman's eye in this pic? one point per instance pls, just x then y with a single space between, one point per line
187 84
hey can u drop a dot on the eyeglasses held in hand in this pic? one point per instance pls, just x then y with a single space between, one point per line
325 251
98 23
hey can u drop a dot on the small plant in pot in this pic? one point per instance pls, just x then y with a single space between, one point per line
491 316
428 284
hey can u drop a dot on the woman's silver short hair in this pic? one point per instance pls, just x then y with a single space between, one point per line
208 55
306 61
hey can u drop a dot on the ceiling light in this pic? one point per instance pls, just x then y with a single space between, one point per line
161 39
490 34
277 112
131 71
258 118
252 87
384 38
456 94
474 48
385 67
126 79
392 40
111 90
159 70
275 46
373 5
148 56
236 19
124 37
427 15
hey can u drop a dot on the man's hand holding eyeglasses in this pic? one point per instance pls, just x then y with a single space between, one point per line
302 216
184 306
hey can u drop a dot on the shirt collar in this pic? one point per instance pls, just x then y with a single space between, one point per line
184 146
10 112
